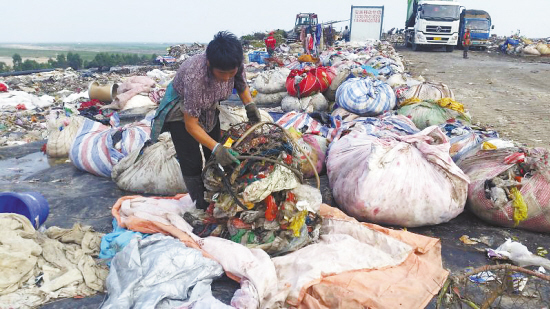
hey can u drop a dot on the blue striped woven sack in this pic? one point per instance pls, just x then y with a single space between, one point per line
93 150
365 97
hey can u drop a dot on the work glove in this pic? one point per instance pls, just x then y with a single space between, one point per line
225 156
252 113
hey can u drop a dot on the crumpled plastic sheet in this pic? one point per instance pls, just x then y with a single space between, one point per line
160 272
37 267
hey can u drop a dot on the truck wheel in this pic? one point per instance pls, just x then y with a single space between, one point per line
449 48
415 47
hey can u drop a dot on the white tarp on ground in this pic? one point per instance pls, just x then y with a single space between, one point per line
37 267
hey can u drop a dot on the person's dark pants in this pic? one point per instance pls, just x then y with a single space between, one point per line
190 158
465 55
270 51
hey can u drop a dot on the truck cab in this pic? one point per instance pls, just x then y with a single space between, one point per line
479 23
432 23
303 20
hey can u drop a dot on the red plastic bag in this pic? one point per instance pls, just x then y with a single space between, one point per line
305 82
3 87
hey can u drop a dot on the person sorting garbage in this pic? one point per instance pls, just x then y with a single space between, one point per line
189 108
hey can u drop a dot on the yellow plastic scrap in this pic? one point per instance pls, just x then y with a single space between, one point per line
488 146
228 143
297 222
451 104
410 101
520 208
294 133
254 93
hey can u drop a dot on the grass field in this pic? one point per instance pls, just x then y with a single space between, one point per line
87 51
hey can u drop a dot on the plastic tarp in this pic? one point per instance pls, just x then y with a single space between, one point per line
405 180
496 206
39 266
393 265
159 272
464 138
13 98
365 97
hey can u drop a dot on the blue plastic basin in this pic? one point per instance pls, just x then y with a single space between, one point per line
29 204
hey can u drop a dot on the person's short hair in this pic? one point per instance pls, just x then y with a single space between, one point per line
225 51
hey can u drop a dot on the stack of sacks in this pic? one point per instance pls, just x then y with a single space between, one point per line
429 113
383 176
302 84
269 86
365 97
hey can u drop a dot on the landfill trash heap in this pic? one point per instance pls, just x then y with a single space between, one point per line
253 202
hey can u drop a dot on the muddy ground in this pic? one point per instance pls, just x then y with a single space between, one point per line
507 93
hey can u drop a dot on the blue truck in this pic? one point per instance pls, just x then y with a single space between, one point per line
479 23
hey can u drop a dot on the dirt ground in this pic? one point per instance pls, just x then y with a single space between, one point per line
508 94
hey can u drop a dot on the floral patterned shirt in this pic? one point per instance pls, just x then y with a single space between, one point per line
200 92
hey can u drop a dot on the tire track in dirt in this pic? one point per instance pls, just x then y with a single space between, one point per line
508 94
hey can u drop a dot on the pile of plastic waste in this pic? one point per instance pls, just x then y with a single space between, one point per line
259 202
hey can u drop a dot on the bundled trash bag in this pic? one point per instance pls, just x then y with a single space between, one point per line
408 180
153 170
543 49
62 129
314 103
531 50
98 147
257 202
232 115
463 138
315 147
343 72
509 187
269 98
271 81
305 82
430 113
304 123
425 91
386 66
365 97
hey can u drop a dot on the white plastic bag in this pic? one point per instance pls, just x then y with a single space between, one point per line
156 171
271 81
270 98
314 103
400 180
230 116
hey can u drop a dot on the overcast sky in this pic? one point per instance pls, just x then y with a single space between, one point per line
39 21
